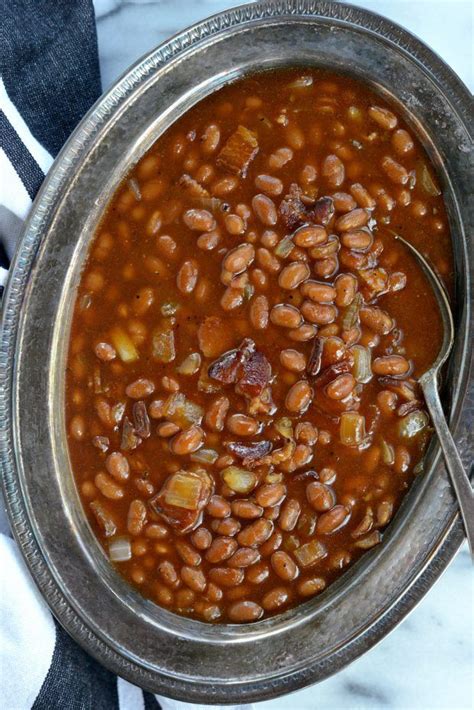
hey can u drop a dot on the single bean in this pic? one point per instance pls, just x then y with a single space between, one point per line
258 573
332 520
244 557
396 172
352 220
362 196
383 117
320 496
118 466
228 527
136 517
105 352
346 288
318 313
187 277
218 507
292 275
226 576
239 259
319 292
285 316
259 312
265 209
201 538
272 544
357 239
108 487
341 387
194 578
284 566
280 158
293 360
290 512
270 185
311 586
275 599
246 509
376 319
402 142
310 236
167 429
244 611
343 202
190 557
390 365
199 220
299 397
242 425
256 533
168 573
305 332
187 441
221 549
333 171
140 388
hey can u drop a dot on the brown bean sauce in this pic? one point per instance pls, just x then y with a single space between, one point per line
242 406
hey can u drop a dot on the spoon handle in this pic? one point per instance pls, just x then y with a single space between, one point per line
459 478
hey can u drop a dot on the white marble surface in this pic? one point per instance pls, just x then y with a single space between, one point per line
427 662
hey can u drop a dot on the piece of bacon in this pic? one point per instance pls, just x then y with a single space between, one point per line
238 152
295 211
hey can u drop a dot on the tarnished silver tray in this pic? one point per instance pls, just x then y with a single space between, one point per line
151 647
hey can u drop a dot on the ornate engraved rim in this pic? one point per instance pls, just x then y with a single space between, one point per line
35 229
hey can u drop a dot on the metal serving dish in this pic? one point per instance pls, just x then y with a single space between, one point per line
151 647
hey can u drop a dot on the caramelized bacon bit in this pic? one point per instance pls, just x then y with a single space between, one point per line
256 374
249 452
245 366
297 209
141 420
330 373
130 440
314 363
226 368
238 152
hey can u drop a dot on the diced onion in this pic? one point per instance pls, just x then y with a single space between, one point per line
310 553
284 427
362 364
181 411
190 365
239 479
411 425
388 453
205 456
163 346
183 490
350 317
124 345
120 549
352 428
284 247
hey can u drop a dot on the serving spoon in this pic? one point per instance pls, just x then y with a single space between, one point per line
429 384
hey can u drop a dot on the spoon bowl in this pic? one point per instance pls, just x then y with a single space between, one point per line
430 386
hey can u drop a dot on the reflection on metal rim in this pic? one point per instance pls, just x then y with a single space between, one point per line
144 643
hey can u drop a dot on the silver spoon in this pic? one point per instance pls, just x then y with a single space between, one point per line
429 384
